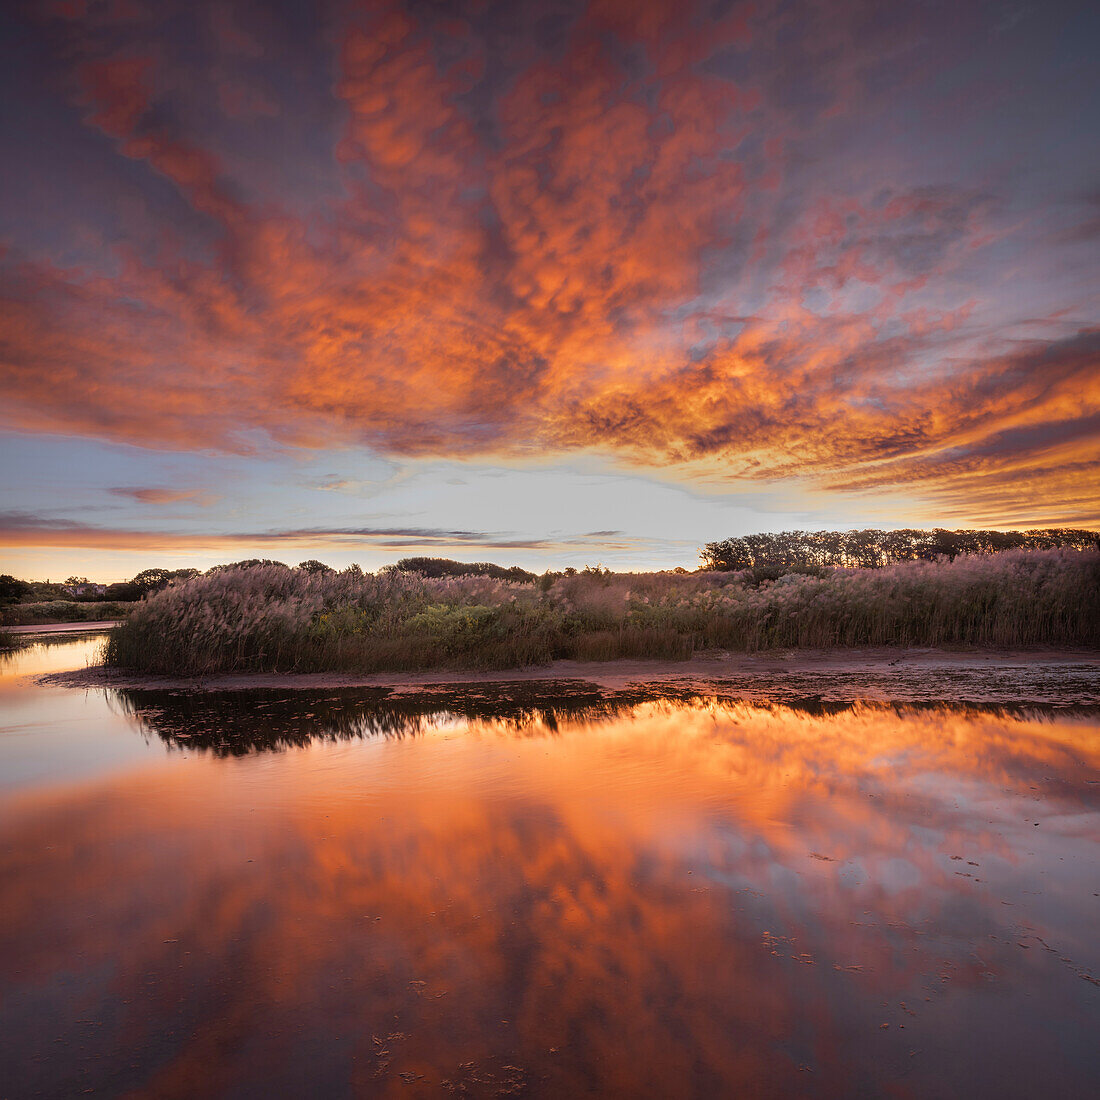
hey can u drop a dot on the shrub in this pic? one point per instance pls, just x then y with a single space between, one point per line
63 611
269 618
448 567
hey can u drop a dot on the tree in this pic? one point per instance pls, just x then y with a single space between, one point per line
448 567
869 549
248 563
124 591
13 590
314 566
151 580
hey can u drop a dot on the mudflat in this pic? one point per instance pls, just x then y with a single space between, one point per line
1067 676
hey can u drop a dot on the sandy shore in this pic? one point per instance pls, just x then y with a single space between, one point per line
808 666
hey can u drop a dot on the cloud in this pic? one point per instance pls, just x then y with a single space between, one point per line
619 243
336 484
21 528
163 496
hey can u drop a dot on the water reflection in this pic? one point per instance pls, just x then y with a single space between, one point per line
34 654
236 723
608 895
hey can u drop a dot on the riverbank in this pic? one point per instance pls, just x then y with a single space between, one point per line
1062 676
64 612
65 628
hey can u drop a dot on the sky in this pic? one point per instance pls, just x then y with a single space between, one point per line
541 283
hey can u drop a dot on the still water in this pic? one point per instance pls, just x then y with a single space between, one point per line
548 893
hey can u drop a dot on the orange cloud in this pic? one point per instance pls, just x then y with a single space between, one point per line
564 269
163 496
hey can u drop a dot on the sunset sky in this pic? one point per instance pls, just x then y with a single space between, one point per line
542 283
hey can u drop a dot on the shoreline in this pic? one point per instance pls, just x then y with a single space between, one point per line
825 665
83 627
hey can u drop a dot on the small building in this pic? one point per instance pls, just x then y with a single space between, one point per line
86 589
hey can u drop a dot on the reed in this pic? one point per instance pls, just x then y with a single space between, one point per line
278 619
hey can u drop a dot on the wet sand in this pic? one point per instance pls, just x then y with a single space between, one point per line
1062 676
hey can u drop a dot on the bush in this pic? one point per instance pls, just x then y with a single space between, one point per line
63 611
12 590
268 618
447 567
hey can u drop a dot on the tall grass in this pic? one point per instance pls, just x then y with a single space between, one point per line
268 619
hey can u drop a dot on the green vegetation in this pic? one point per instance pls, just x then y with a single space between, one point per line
446 567
40 603
273 618
771 555
63 611
13 590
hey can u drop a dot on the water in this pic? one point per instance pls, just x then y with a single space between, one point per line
536 891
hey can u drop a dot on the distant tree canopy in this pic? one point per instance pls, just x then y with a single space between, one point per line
12 590
123 592
315 566
153 580
871 549
149 580
247 563
445 567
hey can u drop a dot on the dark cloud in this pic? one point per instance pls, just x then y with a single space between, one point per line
22 528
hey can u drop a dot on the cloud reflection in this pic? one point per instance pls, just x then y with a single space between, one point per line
678 899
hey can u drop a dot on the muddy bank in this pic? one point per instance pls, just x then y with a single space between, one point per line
101 625
1049 676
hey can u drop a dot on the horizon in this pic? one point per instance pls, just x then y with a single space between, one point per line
700 565
541 284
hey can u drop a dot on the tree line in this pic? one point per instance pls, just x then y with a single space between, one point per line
871 549
447 567
13 590
767 555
